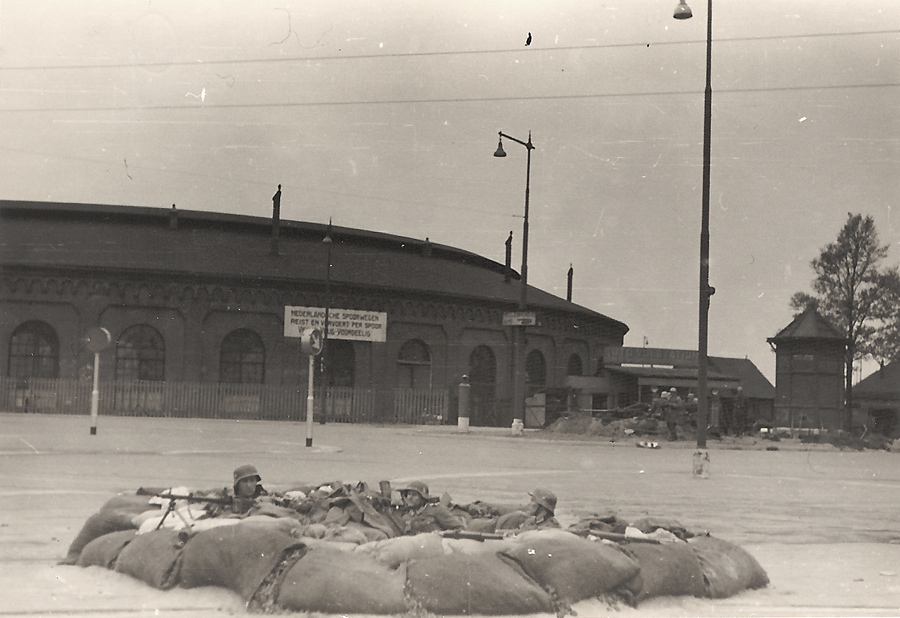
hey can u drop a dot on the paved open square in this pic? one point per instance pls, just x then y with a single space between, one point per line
824 523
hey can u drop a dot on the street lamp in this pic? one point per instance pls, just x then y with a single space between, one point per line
519 332
683 11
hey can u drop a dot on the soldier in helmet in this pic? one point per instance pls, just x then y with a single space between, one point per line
247 488
539 514
420 514
245 493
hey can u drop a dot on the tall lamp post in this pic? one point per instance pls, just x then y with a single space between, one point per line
683 11
323 361
519 377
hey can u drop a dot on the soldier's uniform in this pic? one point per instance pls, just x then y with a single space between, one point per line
427 517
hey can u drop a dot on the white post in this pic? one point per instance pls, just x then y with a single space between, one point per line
462 421
95 394
310 397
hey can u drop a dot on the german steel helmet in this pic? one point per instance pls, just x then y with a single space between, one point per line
245 472
545 498
417 486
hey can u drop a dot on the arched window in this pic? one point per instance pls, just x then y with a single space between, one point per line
483 381
34 351
141 354
535 372
575 367
242 358
414 365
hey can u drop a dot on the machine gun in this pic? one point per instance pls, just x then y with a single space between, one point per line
173 498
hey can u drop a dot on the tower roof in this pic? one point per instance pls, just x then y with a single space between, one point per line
808 325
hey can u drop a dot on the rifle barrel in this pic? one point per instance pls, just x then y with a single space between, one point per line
193 498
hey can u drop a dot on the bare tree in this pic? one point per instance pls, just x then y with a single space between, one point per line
858 296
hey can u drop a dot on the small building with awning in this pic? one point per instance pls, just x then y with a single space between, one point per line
637 375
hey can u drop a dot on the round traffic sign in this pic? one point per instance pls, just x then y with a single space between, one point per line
311 341
97 339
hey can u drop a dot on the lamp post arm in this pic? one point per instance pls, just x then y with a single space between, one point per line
527 144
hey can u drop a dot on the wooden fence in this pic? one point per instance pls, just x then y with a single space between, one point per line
225 401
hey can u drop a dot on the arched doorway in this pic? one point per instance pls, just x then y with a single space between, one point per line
575 366
340 363
535 373
483 393
414 365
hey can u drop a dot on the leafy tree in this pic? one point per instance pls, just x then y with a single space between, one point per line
857 295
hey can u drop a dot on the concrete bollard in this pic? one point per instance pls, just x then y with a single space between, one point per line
701 464
518 427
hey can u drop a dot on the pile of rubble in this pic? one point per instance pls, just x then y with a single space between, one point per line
635 421
638 421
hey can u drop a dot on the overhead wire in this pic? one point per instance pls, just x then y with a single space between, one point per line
386 56
201 105
550 97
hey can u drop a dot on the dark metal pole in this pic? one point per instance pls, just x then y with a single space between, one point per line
323 361
705 290
523 302
520 331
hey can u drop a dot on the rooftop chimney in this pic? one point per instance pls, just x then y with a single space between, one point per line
276 219
569 286
173 218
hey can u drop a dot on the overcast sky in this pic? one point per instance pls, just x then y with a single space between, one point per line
384 116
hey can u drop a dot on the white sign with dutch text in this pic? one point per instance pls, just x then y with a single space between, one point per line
350 324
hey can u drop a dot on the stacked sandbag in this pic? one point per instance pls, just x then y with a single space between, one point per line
570 567
116 514
334 581
153 557
236 557
487 584
727 568
104 550
666 569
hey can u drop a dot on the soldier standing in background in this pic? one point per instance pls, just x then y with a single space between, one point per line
715 411
674 408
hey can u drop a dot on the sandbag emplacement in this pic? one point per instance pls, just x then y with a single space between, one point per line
667 569
457 584
572 567
116 514
235 557
342 582
153 558
728 569
104 550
